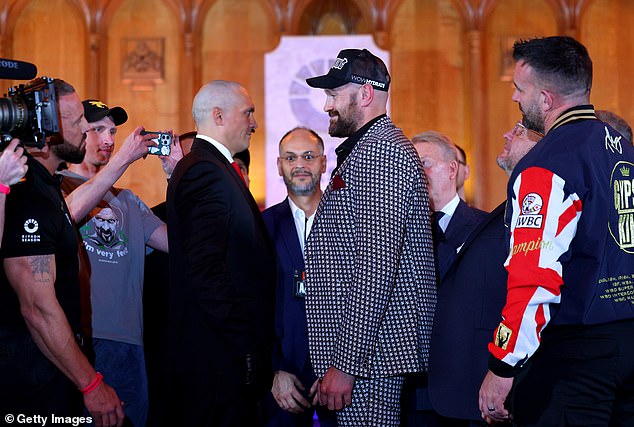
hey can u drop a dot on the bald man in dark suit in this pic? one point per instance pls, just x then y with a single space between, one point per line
222 272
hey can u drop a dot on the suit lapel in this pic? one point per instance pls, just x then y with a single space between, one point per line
499 210
289 234
452 238
208 147
455 228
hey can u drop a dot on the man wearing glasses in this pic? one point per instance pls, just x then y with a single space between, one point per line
470 298
463 171
301 163
452 219
565 341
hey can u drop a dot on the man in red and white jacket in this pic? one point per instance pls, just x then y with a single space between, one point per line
566 340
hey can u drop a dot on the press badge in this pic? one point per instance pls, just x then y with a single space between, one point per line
299 283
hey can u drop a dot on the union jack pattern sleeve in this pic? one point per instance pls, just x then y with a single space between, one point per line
543 223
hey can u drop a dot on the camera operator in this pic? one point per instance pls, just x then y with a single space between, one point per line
43 365
12 168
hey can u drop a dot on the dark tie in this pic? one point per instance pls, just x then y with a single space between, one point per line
237 168
436 229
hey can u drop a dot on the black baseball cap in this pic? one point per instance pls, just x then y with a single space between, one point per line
95 110
354 66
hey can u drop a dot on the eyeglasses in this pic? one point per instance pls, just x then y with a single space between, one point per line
308 157
521 130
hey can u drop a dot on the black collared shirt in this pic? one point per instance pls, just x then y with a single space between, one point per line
345 148
37 222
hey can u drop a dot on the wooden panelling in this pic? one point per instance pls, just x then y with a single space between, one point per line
427 67
446 60
236 36
509 19
52 35
156 108
607 32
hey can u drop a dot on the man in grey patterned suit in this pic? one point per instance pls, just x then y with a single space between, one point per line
369 257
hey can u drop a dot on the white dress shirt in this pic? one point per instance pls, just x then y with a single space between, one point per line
224 150
302 224
448 210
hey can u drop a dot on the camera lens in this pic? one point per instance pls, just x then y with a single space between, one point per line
13 114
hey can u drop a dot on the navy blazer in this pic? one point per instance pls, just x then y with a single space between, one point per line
470 301
463 221
290 353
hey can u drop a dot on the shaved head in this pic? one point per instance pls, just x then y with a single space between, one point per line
224 111
217 93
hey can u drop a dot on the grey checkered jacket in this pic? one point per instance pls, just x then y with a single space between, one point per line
371 287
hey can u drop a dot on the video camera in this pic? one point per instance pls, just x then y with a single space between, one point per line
28 112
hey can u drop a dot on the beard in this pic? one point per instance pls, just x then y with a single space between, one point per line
70 153
531 118
504 162
301 189
346 125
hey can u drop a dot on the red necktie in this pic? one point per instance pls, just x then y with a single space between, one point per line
237 168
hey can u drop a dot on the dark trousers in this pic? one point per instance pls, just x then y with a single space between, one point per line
418 411
219 401
30 384
580 376
433 419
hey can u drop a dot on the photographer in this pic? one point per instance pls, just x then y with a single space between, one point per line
40 334
12 168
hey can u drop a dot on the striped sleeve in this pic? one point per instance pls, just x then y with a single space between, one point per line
543 224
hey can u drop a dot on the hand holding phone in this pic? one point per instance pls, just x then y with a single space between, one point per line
163 141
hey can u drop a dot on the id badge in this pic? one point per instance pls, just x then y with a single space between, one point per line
299 283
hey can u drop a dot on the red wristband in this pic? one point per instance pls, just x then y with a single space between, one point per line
5 189
93 385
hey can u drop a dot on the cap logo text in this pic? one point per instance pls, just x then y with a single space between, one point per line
363 80
339 63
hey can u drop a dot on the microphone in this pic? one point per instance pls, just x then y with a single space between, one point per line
17 70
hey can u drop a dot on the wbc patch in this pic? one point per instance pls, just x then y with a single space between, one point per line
531 208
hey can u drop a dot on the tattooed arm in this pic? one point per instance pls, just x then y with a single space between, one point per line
33 279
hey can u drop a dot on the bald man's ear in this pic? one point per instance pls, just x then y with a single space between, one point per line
453 170
279 166
216 114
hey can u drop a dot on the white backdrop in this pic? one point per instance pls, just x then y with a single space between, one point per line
290 102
